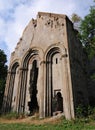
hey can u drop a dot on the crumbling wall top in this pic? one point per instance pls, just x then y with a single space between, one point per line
50 14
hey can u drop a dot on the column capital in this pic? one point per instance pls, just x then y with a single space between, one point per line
64 56
42 62
45 62
11 72
25 69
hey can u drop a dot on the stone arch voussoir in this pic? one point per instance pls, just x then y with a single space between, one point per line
32 53
14 65
55 48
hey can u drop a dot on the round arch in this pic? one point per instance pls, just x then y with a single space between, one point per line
32 55
55 48
11 85
53 67
14 65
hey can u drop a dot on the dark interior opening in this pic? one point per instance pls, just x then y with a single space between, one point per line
33 104
57 103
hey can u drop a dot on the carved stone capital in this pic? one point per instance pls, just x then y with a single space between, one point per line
42 62
24 69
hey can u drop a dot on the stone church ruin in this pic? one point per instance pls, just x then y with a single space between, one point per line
47 60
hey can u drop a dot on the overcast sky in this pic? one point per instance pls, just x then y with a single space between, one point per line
16 14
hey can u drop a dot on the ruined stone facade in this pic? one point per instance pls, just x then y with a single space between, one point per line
48 59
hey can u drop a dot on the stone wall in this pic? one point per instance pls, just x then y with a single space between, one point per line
91 81
47 59
78 67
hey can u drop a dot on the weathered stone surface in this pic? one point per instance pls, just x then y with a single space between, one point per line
47 59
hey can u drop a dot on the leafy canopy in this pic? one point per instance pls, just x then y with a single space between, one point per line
87 32
75 18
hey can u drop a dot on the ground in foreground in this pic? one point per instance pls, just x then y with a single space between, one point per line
47 124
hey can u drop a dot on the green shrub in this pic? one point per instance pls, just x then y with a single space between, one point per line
13 115
79 111
85 111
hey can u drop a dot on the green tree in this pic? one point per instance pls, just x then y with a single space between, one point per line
75 18
87 33
87 37
3 73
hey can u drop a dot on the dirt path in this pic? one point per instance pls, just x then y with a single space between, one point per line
33 120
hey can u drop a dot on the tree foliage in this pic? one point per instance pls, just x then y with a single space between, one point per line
75 18
3 73
87 32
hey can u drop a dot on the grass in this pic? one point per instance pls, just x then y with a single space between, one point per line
78 124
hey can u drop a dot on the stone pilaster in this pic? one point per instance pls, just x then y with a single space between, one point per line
41 90
67 99
22 93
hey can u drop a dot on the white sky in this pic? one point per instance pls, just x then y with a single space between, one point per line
16 14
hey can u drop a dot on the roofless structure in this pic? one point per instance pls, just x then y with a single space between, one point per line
47 59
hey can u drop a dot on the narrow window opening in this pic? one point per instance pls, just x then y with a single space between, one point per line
56 60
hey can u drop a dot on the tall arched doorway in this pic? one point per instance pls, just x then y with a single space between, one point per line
57 85
54 77
33 103
12 88
15 91
32 86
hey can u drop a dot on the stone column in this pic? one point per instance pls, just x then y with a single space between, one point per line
41 90
47 88
19 90
67 90
16 90
27 111
22 93
10 90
